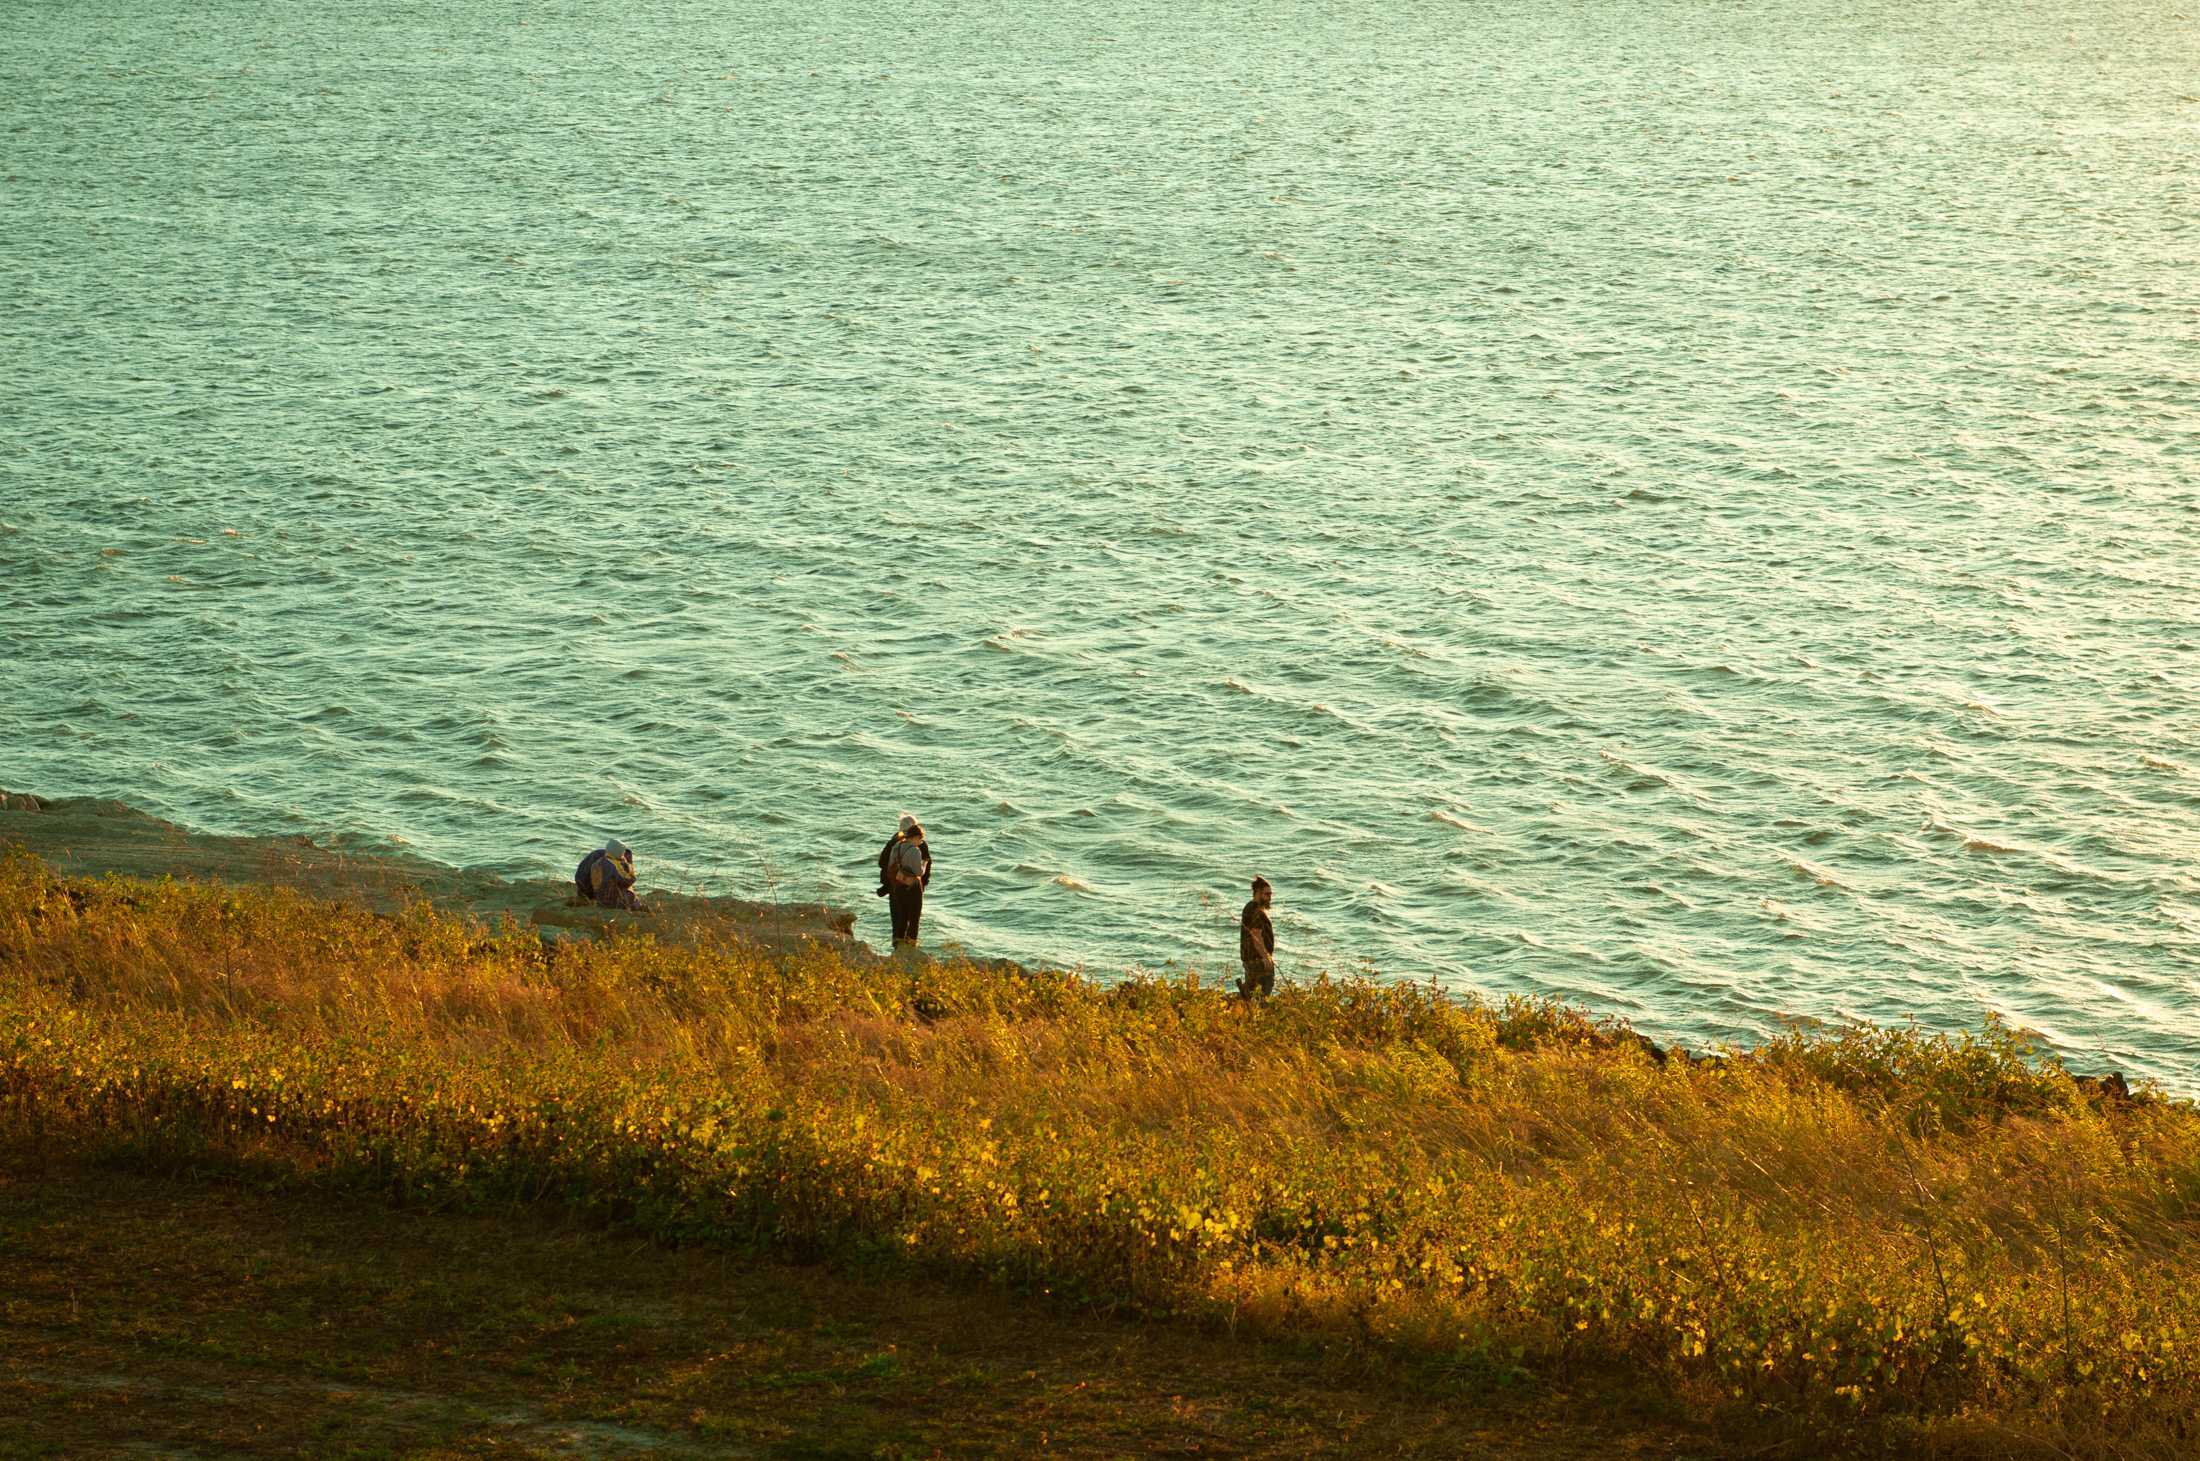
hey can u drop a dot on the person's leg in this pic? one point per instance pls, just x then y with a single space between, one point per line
897 902
916 912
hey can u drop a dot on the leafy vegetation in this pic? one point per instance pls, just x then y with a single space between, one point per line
143 1312
1938 1242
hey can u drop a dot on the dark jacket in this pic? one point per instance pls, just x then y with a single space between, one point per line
1256 935
603 881
888 851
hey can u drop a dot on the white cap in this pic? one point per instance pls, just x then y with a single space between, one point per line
908 823
616 848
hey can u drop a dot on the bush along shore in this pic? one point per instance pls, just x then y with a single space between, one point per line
1880 1238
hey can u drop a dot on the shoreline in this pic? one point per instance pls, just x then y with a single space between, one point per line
97 837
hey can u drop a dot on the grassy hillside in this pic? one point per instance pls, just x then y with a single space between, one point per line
146 1313
1934 1243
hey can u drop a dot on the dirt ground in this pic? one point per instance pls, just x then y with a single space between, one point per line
206 1316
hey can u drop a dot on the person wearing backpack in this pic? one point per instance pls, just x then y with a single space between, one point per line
606 877
904 868
1257 944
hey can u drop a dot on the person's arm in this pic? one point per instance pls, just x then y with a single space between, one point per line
926 880
627 879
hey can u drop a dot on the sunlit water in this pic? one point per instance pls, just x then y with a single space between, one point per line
1690 507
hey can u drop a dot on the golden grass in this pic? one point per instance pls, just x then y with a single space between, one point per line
1942 1242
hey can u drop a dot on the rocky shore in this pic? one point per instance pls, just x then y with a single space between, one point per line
89 837
92 837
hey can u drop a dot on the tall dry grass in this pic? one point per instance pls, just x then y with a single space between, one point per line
1942 1242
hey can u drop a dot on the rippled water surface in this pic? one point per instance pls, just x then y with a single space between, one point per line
1690 507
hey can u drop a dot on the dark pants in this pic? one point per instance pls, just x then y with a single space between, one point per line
907 906
1259 979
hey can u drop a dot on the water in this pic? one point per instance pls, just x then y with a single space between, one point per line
1688 507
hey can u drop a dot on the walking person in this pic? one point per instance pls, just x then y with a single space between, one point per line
904 870
1257 944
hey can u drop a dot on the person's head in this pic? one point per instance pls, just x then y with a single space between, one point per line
1262 893
909 827
618 851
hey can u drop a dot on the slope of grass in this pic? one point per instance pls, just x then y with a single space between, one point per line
140 1313
1882 1237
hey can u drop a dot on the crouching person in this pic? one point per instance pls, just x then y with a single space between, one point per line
606 877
